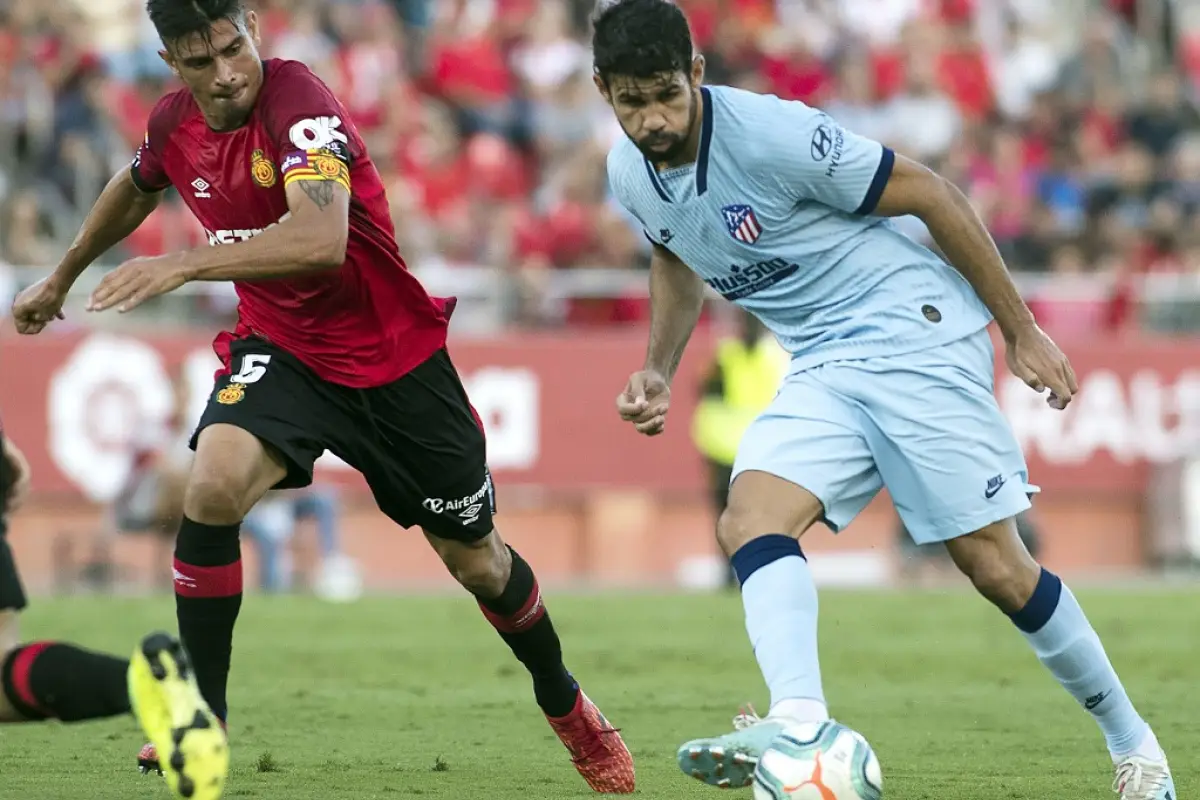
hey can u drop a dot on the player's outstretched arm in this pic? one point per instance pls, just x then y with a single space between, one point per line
963 237
676 299
118 212
312 239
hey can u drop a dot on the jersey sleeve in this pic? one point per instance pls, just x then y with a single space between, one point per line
147 169
812 157
309 127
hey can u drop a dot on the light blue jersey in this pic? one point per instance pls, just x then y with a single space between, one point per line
891 386
775 216
891 382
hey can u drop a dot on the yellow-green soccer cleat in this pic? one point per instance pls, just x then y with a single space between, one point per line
193 752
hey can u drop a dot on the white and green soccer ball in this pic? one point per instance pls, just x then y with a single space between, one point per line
818 761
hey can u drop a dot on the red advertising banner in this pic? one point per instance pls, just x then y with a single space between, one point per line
78 404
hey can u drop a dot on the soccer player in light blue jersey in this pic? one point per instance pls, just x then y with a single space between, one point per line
779 209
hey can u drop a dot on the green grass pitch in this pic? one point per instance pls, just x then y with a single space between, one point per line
417 697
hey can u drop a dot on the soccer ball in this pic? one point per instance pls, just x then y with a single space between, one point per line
340 580
818 761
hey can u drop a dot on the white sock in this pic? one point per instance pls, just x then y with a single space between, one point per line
780 601
799 709
1148 748
1065 642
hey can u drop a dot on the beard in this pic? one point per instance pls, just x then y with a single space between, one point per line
223 115
654 150
668 147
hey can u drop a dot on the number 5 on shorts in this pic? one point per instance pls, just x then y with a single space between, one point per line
254 367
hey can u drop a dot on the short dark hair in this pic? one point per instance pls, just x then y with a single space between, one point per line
175 19
640 38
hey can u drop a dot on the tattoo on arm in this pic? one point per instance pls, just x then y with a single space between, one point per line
320 192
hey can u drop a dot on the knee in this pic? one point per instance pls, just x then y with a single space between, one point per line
1007 582
482 568
761 504
231 472
216 499
734 528
740 524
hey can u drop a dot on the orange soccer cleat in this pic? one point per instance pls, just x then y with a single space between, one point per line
596 748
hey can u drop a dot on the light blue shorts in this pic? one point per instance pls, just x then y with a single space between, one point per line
926 425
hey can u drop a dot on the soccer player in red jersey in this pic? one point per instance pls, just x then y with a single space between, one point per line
53 680
337 347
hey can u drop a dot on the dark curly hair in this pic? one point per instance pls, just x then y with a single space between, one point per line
175 19
640 38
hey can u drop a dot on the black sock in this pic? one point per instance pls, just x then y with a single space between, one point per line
47 680
208 596
520 617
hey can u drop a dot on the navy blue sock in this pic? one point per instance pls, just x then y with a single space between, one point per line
1041 605
757 553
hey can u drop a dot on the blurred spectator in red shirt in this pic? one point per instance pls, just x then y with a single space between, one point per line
482 119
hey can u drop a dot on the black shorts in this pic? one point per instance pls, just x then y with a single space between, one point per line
417 440
12 594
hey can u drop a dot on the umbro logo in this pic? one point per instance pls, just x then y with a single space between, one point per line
994 485
1095 700
666 235
184 580
201 186
470 513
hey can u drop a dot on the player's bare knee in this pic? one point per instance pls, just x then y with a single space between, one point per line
735 529
231 472
997 564
482 567
215 499
760 505
1000 582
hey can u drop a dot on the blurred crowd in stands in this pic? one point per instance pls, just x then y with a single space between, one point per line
1071 124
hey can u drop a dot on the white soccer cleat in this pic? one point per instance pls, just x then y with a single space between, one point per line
1140 778
728 761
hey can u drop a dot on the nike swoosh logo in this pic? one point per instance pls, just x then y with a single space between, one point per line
992 492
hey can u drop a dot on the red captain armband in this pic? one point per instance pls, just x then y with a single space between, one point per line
319 164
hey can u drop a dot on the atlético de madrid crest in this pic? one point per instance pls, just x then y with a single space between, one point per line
742 223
